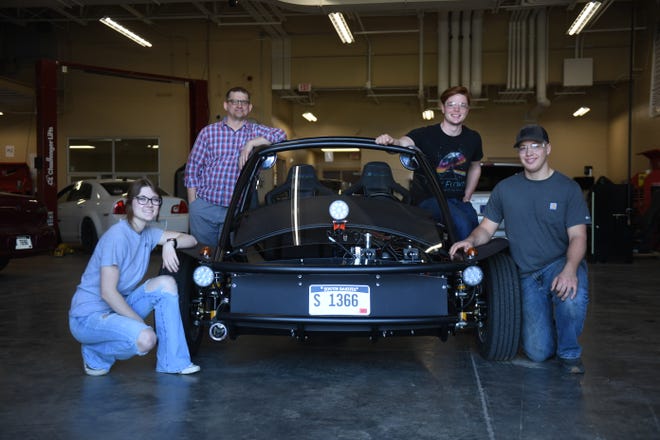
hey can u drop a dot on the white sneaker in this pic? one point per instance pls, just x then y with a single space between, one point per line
94 371
190 369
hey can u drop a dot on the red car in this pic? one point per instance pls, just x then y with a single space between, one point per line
15 178
24 228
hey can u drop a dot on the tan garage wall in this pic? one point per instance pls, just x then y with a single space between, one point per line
93 105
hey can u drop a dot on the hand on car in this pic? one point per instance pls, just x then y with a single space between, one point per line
247 149
459 246
385 139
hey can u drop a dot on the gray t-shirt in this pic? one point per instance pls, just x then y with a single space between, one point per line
536 215
119 246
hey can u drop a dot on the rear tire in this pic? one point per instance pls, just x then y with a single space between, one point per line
88 235
499 338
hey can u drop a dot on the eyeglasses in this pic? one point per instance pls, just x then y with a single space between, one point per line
142 200
530 147
461 105
238 101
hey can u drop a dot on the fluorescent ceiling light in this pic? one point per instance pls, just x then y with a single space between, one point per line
428 115
309 116
581 111
125 32
345 35
81 147
340 150
584 17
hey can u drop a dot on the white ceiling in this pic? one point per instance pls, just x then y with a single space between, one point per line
273 16
83 11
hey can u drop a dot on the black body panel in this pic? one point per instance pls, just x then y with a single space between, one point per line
400 295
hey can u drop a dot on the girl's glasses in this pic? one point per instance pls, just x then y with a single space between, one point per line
156 201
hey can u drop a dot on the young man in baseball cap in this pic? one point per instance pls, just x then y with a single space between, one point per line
545 218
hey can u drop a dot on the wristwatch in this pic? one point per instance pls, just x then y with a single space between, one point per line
174 242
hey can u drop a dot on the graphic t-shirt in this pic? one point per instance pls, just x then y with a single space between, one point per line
450 155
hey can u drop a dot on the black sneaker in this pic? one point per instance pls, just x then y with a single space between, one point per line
572 366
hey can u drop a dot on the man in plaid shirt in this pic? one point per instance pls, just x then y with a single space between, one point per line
220 151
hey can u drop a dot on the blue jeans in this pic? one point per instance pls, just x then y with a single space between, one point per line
108 336
549 325
462 213
206 221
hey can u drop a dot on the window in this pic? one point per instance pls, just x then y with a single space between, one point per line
654 106
113 158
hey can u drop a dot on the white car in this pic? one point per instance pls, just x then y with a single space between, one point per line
491 174
87 208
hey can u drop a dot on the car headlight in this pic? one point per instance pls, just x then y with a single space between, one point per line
203 276
473 275
338 210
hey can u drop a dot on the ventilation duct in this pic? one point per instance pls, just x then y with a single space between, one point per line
466 58
528 54
542 57
460 50
454 55
443 52
477 37
281 63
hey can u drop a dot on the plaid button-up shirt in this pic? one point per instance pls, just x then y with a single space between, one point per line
212 165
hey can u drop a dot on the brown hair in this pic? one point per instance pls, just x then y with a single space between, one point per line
237 90
456 90
134 191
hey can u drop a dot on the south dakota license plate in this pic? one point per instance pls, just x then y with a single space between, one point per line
339 299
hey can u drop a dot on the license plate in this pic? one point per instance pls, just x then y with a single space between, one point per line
23 242
339 299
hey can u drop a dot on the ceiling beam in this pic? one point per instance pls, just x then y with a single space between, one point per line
69 16
136 13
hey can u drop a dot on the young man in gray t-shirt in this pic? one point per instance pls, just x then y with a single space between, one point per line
545 218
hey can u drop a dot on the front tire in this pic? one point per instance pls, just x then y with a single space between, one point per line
192 328
499 337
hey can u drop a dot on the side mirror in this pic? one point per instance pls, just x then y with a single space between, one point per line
409 162
268 161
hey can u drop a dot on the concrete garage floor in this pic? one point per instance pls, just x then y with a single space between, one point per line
276 388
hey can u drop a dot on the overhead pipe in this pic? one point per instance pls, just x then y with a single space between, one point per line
514 53
460 64
454 49
531 60
443 52
509 70
420 89
528 54
465 49
542 58
522 65
518 85
369 64
477 37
